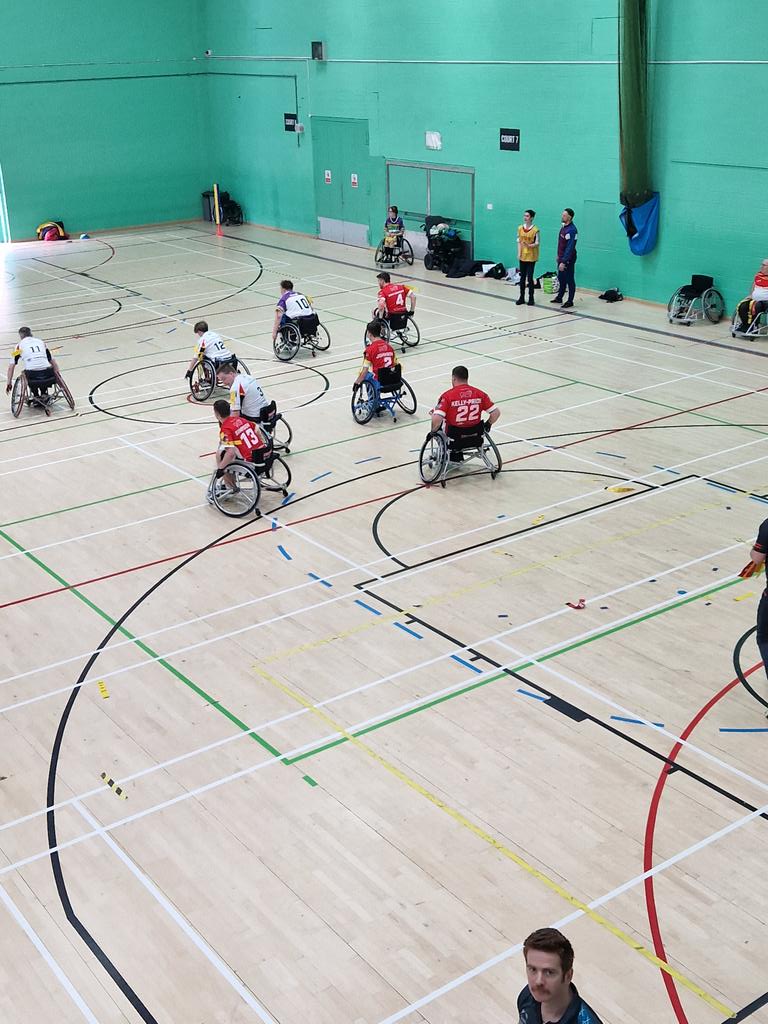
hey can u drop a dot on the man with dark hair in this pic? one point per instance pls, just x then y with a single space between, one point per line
566 259
460 410
379 354
550 997
239 439
395 301
293 307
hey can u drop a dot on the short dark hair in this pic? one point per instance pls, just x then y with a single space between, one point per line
569 211
550 940
460 373
221 406
227 368
201 327
288 285
393 207
384 276
24 332
532 213
374 328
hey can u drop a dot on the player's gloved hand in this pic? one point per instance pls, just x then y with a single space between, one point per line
431 434
486 426
751 569
188 375
7 389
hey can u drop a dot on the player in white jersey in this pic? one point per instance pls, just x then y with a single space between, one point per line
246 396
211 346
293 307
37 363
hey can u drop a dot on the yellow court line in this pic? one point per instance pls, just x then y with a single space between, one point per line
505 851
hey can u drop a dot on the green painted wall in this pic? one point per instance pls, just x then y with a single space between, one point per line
102 113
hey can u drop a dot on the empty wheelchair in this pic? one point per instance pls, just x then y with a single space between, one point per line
698 300
276 427
441 453
389 393
42 391
390 254
237 492
750 320
204 379
304 330
399 327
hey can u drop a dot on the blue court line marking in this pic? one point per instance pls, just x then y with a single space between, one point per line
288 497
319 579
405 629
171 330
467 664
284 553
756 497
536 696
371 458
635 721
320 477
720 487
412 450
611 455
666 469
374 611
745 730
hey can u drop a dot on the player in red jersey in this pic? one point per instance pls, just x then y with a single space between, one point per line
396 302
240 439
379 354
460 410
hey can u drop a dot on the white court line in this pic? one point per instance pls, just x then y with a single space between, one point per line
178 918
47 956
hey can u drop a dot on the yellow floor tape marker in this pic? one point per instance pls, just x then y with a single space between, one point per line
621 490
486 837
743 597
103 689
115 789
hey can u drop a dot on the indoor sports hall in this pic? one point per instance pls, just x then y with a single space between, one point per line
322 735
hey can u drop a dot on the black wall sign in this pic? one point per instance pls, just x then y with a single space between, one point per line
289 120
509 138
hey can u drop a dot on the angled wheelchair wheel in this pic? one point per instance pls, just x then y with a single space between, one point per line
406 254
64 391
322 339
287 343
379 257
241 366
363 402
203 380
713 304
674 304
410 334
432 458
243 498
281 435
429 261
279 476
491 456
386 331
406 399
18 395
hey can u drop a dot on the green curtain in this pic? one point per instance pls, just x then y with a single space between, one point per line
634 129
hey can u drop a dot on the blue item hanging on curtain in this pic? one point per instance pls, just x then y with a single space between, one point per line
642 225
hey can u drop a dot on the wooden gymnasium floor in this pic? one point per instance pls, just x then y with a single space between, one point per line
366 744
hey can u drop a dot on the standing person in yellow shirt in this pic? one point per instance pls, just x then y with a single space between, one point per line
527 254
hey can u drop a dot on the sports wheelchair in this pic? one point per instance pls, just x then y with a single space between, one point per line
749 323
435 460
402 252
304 330
696 301
400 325
36 393
267 471
204 379
277 429
371 397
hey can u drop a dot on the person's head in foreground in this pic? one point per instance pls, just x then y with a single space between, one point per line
549 964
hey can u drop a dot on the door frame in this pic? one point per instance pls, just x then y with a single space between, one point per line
443 168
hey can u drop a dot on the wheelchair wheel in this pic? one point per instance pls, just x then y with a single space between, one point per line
363 402
432 458
282 435
429 261
322 340
279 476
18 395
713 304
241 367
673 306
406 399
244 497
406 253
203 380
65 392
410 334
287 343
491 456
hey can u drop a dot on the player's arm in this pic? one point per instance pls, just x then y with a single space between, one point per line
52 361
367 365
196 358
438 416
11 368
757 554
491 409
411 297
234 398
519 247
278 317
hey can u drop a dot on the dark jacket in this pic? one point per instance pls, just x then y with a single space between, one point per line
577 1013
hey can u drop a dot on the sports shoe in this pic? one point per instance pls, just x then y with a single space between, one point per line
556 300
520 301
567 305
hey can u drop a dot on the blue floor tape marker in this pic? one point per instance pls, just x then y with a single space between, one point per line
745 730
288 497
756 497
371 458
611 455
681 592
503 615
720 487
274 524
373 611
467 664
635 721
319 579
284 553
502 516
113 349
666 469
406 629
536 696
320 477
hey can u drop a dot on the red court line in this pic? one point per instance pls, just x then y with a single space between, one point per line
650 828
185 554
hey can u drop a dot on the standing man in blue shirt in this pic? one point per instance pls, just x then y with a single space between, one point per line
566 259
550 997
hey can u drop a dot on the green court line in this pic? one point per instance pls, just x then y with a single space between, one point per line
645 617
229 715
